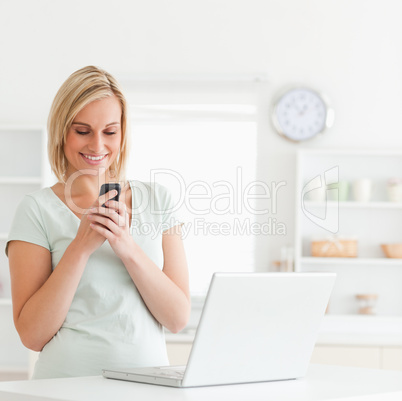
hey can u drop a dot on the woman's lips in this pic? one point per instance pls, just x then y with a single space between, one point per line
93 159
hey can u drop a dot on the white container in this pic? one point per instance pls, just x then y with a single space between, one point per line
394 192
362 190
317 194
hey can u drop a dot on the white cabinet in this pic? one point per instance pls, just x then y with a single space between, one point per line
373 357
371 223
392 358
23 169
362 357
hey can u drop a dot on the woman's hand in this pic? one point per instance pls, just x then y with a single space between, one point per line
112 223
87 237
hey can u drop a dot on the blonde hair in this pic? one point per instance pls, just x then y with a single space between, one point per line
81 88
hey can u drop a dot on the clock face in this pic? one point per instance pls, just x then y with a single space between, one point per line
300 114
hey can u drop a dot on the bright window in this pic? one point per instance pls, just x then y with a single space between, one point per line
206 155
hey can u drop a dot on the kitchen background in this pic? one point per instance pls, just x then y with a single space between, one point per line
349 50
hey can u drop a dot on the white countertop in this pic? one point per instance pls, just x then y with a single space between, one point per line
354 330
321 383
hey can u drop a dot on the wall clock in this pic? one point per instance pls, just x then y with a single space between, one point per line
301 113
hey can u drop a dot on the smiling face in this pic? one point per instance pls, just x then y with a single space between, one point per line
93 140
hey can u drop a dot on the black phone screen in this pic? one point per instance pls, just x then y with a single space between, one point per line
109 187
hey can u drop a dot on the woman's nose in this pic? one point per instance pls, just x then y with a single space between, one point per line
96 144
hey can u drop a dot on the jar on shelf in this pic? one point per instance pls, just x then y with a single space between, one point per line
394 189
362 189
287 259
275 266
367 303
338 191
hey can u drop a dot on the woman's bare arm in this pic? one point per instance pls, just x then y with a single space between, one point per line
166 293
41 299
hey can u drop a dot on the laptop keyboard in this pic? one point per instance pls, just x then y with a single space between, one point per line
176 372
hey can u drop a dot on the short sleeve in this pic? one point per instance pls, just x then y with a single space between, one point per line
165 204
28 224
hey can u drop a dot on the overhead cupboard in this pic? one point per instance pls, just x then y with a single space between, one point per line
22 170
348 206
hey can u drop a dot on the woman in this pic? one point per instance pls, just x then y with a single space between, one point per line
88 290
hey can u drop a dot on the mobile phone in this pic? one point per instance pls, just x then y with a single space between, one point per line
109 187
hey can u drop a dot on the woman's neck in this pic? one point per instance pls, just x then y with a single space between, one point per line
83 185
80 191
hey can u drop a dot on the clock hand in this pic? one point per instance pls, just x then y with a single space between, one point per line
296 106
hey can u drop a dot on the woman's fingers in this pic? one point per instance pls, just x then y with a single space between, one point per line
115 213
106 222
105 232
107 196
119 207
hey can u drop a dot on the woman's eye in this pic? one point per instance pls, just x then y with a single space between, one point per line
87 132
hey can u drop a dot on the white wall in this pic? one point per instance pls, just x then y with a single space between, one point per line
349 49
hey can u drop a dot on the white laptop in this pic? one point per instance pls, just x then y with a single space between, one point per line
254 327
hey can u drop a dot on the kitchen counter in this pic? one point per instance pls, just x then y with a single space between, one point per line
321 383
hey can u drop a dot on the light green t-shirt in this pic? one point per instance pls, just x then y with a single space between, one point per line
108 325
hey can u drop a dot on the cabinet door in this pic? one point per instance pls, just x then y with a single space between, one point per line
364 357
178 353
9 375
392 358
